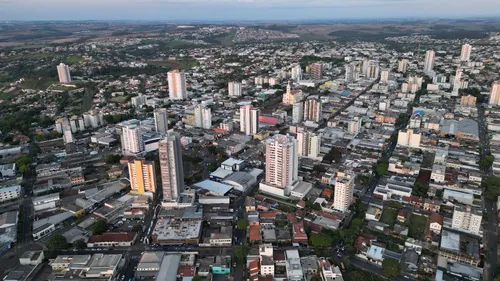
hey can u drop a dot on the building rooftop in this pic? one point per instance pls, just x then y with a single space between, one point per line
214 187
112 237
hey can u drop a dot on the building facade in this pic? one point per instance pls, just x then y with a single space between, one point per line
132 139
234 89
177 85
344 190
161 120
495 93
281 161
312 109
429 61
249 120
63 73
309 144
142 176
171 167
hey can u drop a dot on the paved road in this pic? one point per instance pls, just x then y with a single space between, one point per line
370 267
490 230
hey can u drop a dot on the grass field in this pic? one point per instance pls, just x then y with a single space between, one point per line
389 216
73 60
7 97
175 64
119 99
30 56
37 84
417 227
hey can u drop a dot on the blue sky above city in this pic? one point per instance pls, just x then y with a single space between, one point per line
233 10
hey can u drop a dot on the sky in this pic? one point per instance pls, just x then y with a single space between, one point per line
245 10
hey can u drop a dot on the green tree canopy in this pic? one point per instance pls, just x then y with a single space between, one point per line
79 244
99 227
391 267
113 159
382 167
57 242
420 189
196 278
320 240
243 224
492 190
241 252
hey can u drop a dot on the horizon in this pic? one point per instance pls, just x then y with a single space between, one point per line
243 10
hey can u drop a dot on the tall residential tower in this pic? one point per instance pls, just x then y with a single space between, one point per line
177 85
171 167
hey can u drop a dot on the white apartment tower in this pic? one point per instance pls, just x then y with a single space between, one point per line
465 53
171 167
457 82
402 65
344 189
495 93
234 89
132 139
63 73
466 217
249 120
384 76
309 144
161 120
312 109
429 61
177 85
203 117
297 73
281 161
350 72
297 112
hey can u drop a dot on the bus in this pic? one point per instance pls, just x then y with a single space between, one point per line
342 266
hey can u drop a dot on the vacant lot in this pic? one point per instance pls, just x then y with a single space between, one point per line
389 216
417 227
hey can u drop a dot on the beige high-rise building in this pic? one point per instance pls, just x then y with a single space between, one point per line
467 218
63 73
234 89
384 76
344 190
177 85
171 167
203 117
312 109
429 61
408 138
249 120
317 71
309 144
402 65
142 176
281 161
495 93
468 100
465 53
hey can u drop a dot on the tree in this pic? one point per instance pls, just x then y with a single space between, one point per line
391 267
57 242
358 276
79 244
317 207
382 167
113 159
99 227
241 252
492 190
420 189
487 161
196 278
243 224
439 193
320 240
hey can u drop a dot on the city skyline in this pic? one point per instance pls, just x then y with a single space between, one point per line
257 10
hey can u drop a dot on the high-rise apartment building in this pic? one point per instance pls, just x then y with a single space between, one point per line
67 134
495 93
161 120
177 85
281 161
350 72
171 167
429 61
297 112
457 82
131 139
466 217
373 71
142 176
309 144
468 100
317 71
234 89
465 53
354 125
384 76
408 138
203 117
402 65
249 120
365 67
344 190
312 109
297 72
63 73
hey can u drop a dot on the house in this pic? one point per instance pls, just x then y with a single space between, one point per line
432 205
410 258
402 216
376 253
435 223
254 233
299 234
112 239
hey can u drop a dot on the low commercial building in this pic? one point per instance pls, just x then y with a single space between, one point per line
45 202
43 230
460 247
112 239
8 170
158 266
178 226
84 267
10 193
293 267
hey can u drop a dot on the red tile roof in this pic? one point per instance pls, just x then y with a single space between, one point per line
112 237
267 215
301 204
299 234
186 271
436 218
292 218
255 233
